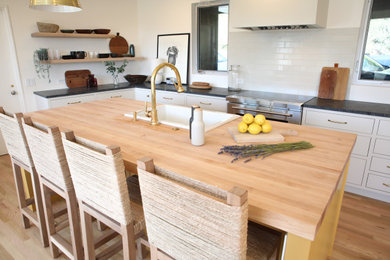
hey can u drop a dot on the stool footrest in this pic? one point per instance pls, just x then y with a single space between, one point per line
63 245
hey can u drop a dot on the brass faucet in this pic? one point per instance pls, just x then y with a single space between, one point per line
178 86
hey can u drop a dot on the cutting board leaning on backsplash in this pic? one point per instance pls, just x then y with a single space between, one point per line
333 82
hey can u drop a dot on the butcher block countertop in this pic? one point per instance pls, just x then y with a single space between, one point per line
289 191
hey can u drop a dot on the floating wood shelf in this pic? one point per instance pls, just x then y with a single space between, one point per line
73 35
91 60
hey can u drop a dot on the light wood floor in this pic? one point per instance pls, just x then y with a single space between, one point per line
363 231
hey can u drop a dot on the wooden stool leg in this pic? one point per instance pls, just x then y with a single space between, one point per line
153 252
86 227
48 209
100 225
74 224
39 206
139 250
128 242
20 192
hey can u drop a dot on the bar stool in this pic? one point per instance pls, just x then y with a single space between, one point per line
187 219
49 157
98 175
15 139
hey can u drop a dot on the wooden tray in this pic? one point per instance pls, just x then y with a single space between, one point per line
273 137
119 45
200 85
77 78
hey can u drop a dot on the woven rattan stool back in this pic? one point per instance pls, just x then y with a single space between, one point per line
98 176
48 153
187 219
14 137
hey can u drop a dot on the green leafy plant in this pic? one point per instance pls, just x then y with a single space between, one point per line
42 69
114 70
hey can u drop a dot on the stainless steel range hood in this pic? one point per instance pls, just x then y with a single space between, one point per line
278 14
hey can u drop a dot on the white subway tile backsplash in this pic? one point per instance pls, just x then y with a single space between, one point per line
290 61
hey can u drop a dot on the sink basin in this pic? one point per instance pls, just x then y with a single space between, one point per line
179 116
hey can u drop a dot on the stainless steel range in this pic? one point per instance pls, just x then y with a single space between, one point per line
275 106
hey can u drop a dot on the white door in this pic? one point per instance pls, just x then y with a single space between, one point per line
10 94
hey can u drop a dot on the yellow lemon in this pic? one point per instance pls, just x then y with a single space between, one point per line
259 119
247 119
242 127
266 127
254 129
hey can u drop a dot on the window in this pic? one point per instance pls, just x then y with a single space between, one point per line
210 34
374 63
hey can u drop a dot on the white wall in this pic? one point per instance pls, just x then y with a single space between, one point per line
164 17
118 15
140 21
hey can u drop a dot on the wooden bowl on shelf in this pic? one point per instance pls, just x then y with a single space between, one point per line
47 27
84 31
67 30
102 31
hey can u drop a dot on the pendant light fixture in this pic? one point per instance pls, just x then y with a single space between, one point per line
62 6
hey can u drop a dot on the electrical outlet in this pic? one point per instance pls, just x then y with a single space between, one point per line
30 83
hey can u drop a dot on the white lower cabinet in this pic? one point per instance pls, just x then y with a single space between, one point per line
207 102
369 166
46 103
174 98
141 94
127 93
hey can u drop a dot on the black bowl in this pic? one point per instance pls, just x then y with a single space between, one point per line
67 30
103 55
135 79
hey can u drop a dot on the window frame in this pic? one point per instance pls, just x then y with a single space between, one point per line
194 11
361 49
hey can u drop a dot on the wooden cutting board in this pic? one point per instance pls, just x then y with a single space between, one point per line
77 78
333 82
273 137
119 45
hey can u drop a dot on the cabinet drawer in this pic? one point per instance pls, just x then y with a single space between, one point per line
362 145
382 146
384 128
163 97
380 165
377 182
208 103
115 94
339 121
70 100
356 170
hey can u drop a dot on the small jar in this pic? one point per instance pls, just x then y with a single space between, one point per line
234 78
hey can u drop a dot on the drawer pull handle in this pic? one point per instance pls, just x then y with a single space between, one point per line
168 98
116 96
387 185
207 104
76 102
337 122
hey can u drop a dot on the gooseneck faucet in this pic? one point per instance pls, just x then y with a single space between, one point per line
178 86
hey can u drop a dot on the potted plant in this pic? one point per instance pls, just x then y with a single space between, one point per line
42 69
115 71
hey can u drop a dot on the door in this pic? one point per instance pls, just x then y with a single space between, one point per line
10 86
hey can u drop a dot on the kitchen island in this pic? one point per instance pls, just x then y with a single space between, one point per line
298 193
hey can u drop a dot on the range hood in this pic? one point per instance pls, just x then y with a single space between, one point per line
278 14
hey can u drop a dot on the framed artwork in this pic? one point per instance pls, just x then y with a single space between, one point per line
175 49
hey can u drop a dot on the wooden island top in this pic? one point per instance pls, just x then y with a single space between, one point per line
289 191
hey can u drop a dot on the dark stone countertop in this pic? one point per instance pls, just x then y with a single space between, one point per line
350 106
54 93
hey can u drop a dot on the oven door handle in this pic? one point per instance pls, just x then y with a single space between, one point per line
263 111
